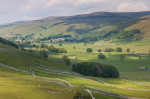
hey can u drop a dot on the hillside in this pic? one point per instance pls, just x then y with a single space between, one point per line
143 25
80 27
27 75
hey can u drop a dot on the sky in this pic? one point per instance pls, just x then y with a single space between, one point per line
20 10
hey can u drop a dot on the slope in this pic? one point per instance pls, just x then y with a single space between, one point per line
78 26
143 25
32 74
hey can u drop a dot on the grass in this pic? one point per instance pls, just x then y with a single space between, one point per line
130 64
16 85
26 84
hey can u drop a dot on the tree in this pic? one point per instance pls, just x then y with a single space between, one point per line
44 53
89 50
99 50
60 41
79 93
96 69
118 49
60 44
122 57
66 60
108 49
128 50
101 56
74 47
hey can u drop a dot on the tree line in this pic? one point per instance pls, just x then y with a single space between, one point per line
96 69
8 42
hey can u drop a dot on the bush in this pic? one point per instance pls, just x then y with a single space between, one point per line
109 50
80 93
57 50
118 49
66 60
101 56
89 50
128 50
96 69
99 50
44 54
60 44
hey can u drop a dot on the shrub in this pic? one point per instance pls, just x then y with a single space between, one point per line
101 56
99 50
109 50
89 50
80 93
57 50
128 50
60 44
118 49
44 54
96 69
66 60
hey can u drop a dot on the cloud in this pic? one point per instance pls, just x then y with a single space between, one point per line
32 5
129 6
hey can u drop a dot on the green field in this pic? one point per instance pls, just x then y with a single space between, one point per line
55 80
129 67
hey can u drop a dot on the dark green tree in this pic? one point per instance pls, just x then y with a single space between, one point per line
60 44
128 50
89 50
118 49
101 56
66 60
99 50
44 53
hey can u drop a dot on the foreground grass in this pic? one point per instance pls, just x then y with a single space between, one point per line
16 85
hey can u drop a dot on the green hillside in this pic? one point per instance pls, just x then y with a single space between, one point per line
84 27
143 25
27 75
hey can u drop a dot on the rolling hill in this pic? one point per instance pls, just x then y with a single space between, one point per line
27 75
81 27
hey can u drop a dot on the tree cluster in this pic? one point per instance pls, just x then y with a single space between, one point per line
118 49
89 50
96 70
109 49
66 60
8 42
101 56
44 54
57 50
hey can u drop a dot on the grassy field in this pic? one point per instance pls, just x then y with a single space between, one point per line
129 68
18 85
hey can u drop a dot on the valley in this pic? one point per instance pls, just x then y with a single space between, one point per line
37 61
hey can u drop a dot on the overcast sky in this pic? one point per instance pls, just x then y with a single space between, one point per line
17 10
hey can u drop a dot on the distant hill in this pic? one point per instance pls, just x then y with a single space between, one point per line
83 27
